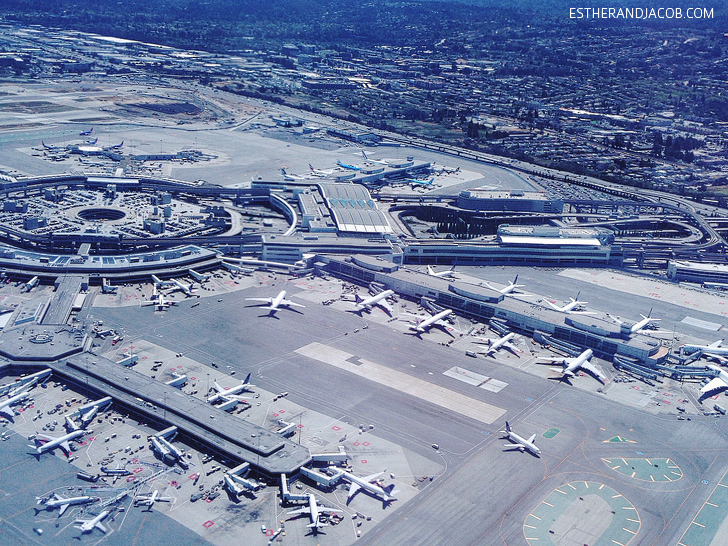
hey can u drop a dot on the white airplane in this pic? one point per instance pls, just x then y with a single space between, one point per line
509 288
448 273
520 443
228 394
356 483
45 443
574 307
370 160
637 327
571 365
365 304
496 344
57 501
185 288
88 525
86 133
158 301
714 350
314 511
426 324
178 381
199 277
320 172
5 406
716 385
148 499
274 304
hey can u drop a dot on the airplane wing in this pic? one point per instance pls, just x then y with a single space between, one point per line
101 527
66 446
532 438
353 488
512 348
714 386
715 344
304 510
582 312
384 303
7 412
592 368
719 358
293 303
264 300
516 445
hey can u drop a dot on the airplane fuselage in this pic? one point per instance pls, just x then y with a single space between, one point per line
571 367
58 441
425 324
518 439
368 302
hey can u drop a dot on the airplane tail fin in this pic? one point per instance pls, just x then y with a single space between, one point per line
247 379
389 490
508 427
358 298
515 281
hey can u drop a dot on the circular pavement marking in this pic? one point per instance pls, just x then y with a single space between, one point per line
582 513
650 470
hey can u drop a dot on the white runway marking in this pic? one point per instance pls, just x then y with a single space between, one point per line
446 398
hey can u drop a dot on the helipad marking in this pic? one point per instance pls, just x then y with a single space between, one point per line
424 390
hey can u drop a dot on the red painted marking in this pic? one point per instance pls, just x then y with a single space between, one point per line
282 411
208 523
173 483
92 438
364 461
144 357
275 415
365 443
131 479
356 443
209 500
137 470
135 460
193 378
635 387
335 428
269 532
194 476
21 410
81 443
300 426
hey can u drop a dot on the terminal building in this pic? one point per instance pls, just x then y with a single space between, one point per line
513 200
607 339
697 272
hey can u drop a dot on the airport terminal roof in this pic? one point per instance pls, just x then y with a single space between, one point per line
354 209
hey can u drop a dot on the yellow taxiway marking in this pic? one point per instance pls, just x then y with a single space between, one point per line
648 462
633 520
529 526
628 508
620 544
633 473
652 477
624 461
629 530
535 516
677 473
560 491
548 504
574 488
668 478
586 484
696 523
616 496
601 486
723 485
